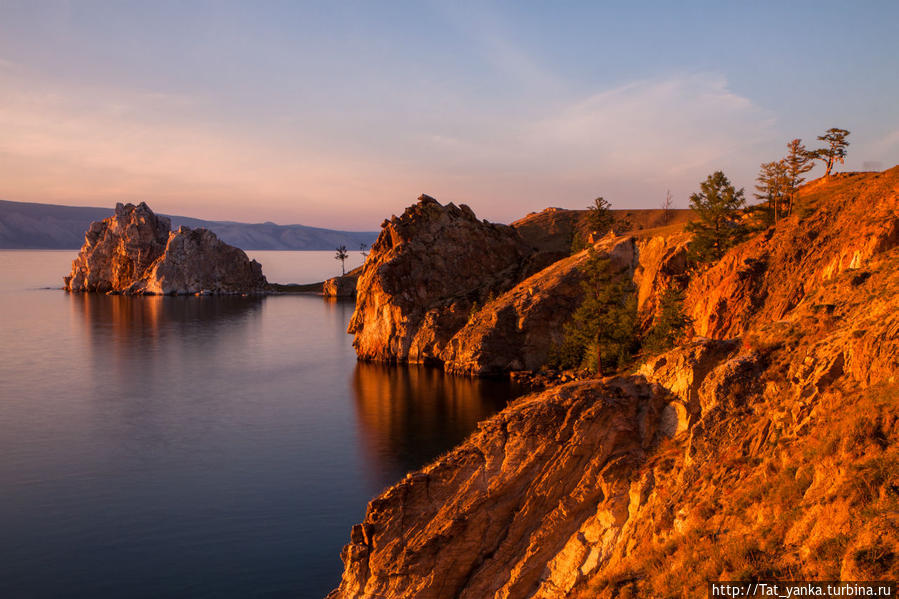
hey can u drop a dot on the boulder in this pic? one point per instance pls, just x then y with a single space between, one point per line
133 252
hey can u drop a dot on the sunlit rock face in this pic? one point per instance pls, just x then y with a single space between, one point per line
771 451
426 271
118 250
344 286
536 485
133 252
855 219
442 287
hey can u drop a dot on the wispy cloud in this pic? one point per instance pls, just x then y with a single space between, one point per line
629 143
632 141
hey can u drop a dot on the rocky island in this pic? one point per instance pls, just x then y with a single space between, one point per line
763 445
134 252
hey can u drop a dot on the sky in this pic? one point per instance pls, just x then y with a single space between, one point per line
338 113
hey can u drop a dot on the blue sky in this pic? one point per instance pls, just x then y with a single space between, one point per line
339 114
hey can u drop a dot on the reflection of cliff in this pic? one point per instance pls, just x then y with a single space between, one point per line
408 415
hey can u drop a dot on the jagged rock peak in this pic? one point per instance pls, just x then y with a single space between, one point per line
134 252
425 271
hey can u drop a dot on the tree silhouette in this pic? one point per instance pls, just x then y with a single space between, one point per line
772 189
667 205
797 162
342 255
835 150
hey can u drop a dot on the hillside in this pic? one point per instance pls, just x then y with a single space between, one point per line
48 226
765 447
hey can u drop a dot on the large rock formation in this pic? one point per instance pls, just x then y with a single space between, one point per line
757 457
487 519
118 250
442 287
425 271
133 252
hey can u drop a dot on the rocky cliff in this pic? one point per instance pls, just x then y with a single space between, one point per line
773 454
134 252
442 287
426 270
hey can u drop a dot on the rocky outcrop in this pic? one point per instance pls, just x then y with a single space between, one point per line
343 286
517 330
118 250
726 458
442 287
850 221
425 272
133 252
490 518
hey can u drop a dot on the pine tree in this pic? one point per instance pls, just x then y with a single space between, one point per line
772 190
835 150
597 221
601 335
718 225
600 217
798 162
670 325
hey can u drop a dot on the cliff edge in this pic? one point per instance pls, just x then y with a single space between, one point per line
766 449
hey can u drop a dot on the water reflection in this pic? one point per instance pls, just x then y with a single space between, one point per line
127 315
409 415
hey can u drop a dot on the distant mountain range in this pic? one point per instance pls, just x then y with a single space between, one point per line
25 225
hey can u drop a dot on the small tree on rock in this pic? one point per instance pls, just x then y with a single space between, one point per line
667 206
670 325
342 255
835 150
601 335
598 221
717 224
797 162
772 190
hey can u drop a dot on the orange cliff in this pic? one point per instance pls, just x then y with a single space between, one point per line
770 450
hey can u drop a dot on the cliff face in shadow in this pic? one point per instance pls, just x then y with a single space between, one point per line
773 454
133 252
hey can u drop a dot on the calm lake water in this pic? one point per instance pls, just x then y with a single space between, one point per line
200 446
